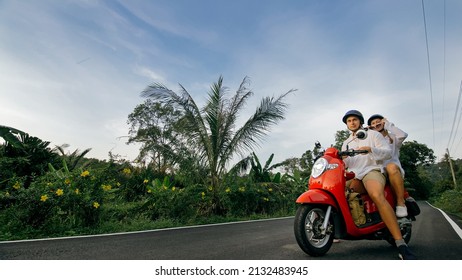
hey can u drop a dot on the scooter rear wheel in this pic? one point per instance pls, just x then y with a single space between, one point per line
310 236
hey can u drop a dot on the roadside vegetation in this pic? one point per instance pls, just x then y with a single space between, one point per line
182 175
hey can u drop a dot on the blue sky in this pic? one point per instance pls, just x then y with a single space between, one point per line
72 71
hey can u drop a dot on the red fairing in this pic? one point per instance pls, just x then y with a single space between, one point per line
333 152
330 180
316 196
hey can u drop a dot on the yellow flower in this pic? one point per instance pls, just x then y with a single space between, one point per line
106 187
265 199
145 181
77 191
67 181
242 189
44 198
17 186
228 190
118 184
85 173
127 171
270 189
59 192
7 194
173 189
149 191
95 205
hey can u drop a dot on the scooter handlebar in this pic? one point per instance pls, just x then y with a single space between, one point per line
351 152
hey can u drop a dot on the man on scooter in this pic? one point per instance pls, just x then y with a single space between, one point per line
367 168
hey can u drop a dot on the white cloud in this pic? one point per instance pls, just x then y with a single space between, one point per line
149 73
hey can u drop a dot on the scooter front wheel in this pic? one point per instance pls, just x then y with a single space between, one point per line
312 238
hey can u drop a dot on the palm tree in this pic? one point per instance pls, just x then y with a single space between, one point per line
211 130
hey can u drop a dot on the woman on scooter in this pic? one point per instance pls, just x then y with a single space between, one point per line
368 170
395 137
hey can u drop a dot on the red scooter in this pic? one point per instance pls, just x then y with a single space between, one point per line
324 212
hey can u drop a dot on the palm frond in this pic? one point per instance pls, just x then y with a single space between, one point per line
269 112
193 122
12 136
241 166
231 114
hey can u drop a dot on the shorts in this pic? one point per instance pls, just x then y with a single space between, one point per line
375 175
357 185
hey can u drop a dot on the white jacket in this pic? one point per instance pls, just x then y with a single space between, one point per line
364 163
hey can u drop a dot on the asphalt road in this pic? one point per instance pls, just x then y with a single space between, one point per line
433 239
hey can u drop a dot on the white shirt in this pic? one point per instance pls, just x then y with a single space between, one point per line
362 164
397 137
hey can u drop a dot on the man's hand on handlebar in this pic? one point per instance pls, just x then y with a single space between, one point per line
365 148
351 152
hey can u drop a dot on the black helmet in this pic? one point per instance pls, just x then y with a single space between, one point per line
373 117
353 113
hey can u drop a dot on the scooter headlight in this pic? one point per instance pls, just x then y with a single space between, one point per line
319 167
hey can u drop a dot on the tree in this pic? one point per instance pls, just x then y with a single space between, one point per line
414 157
414 154
157 127
211 130
340 137
290 165
441 176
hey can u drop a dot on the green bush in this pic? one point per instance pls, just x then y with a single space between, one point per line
165 200
450 201
248 198
56 202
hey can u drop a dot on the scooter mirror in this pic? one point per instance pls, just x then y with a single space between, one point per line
317 145
361 134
